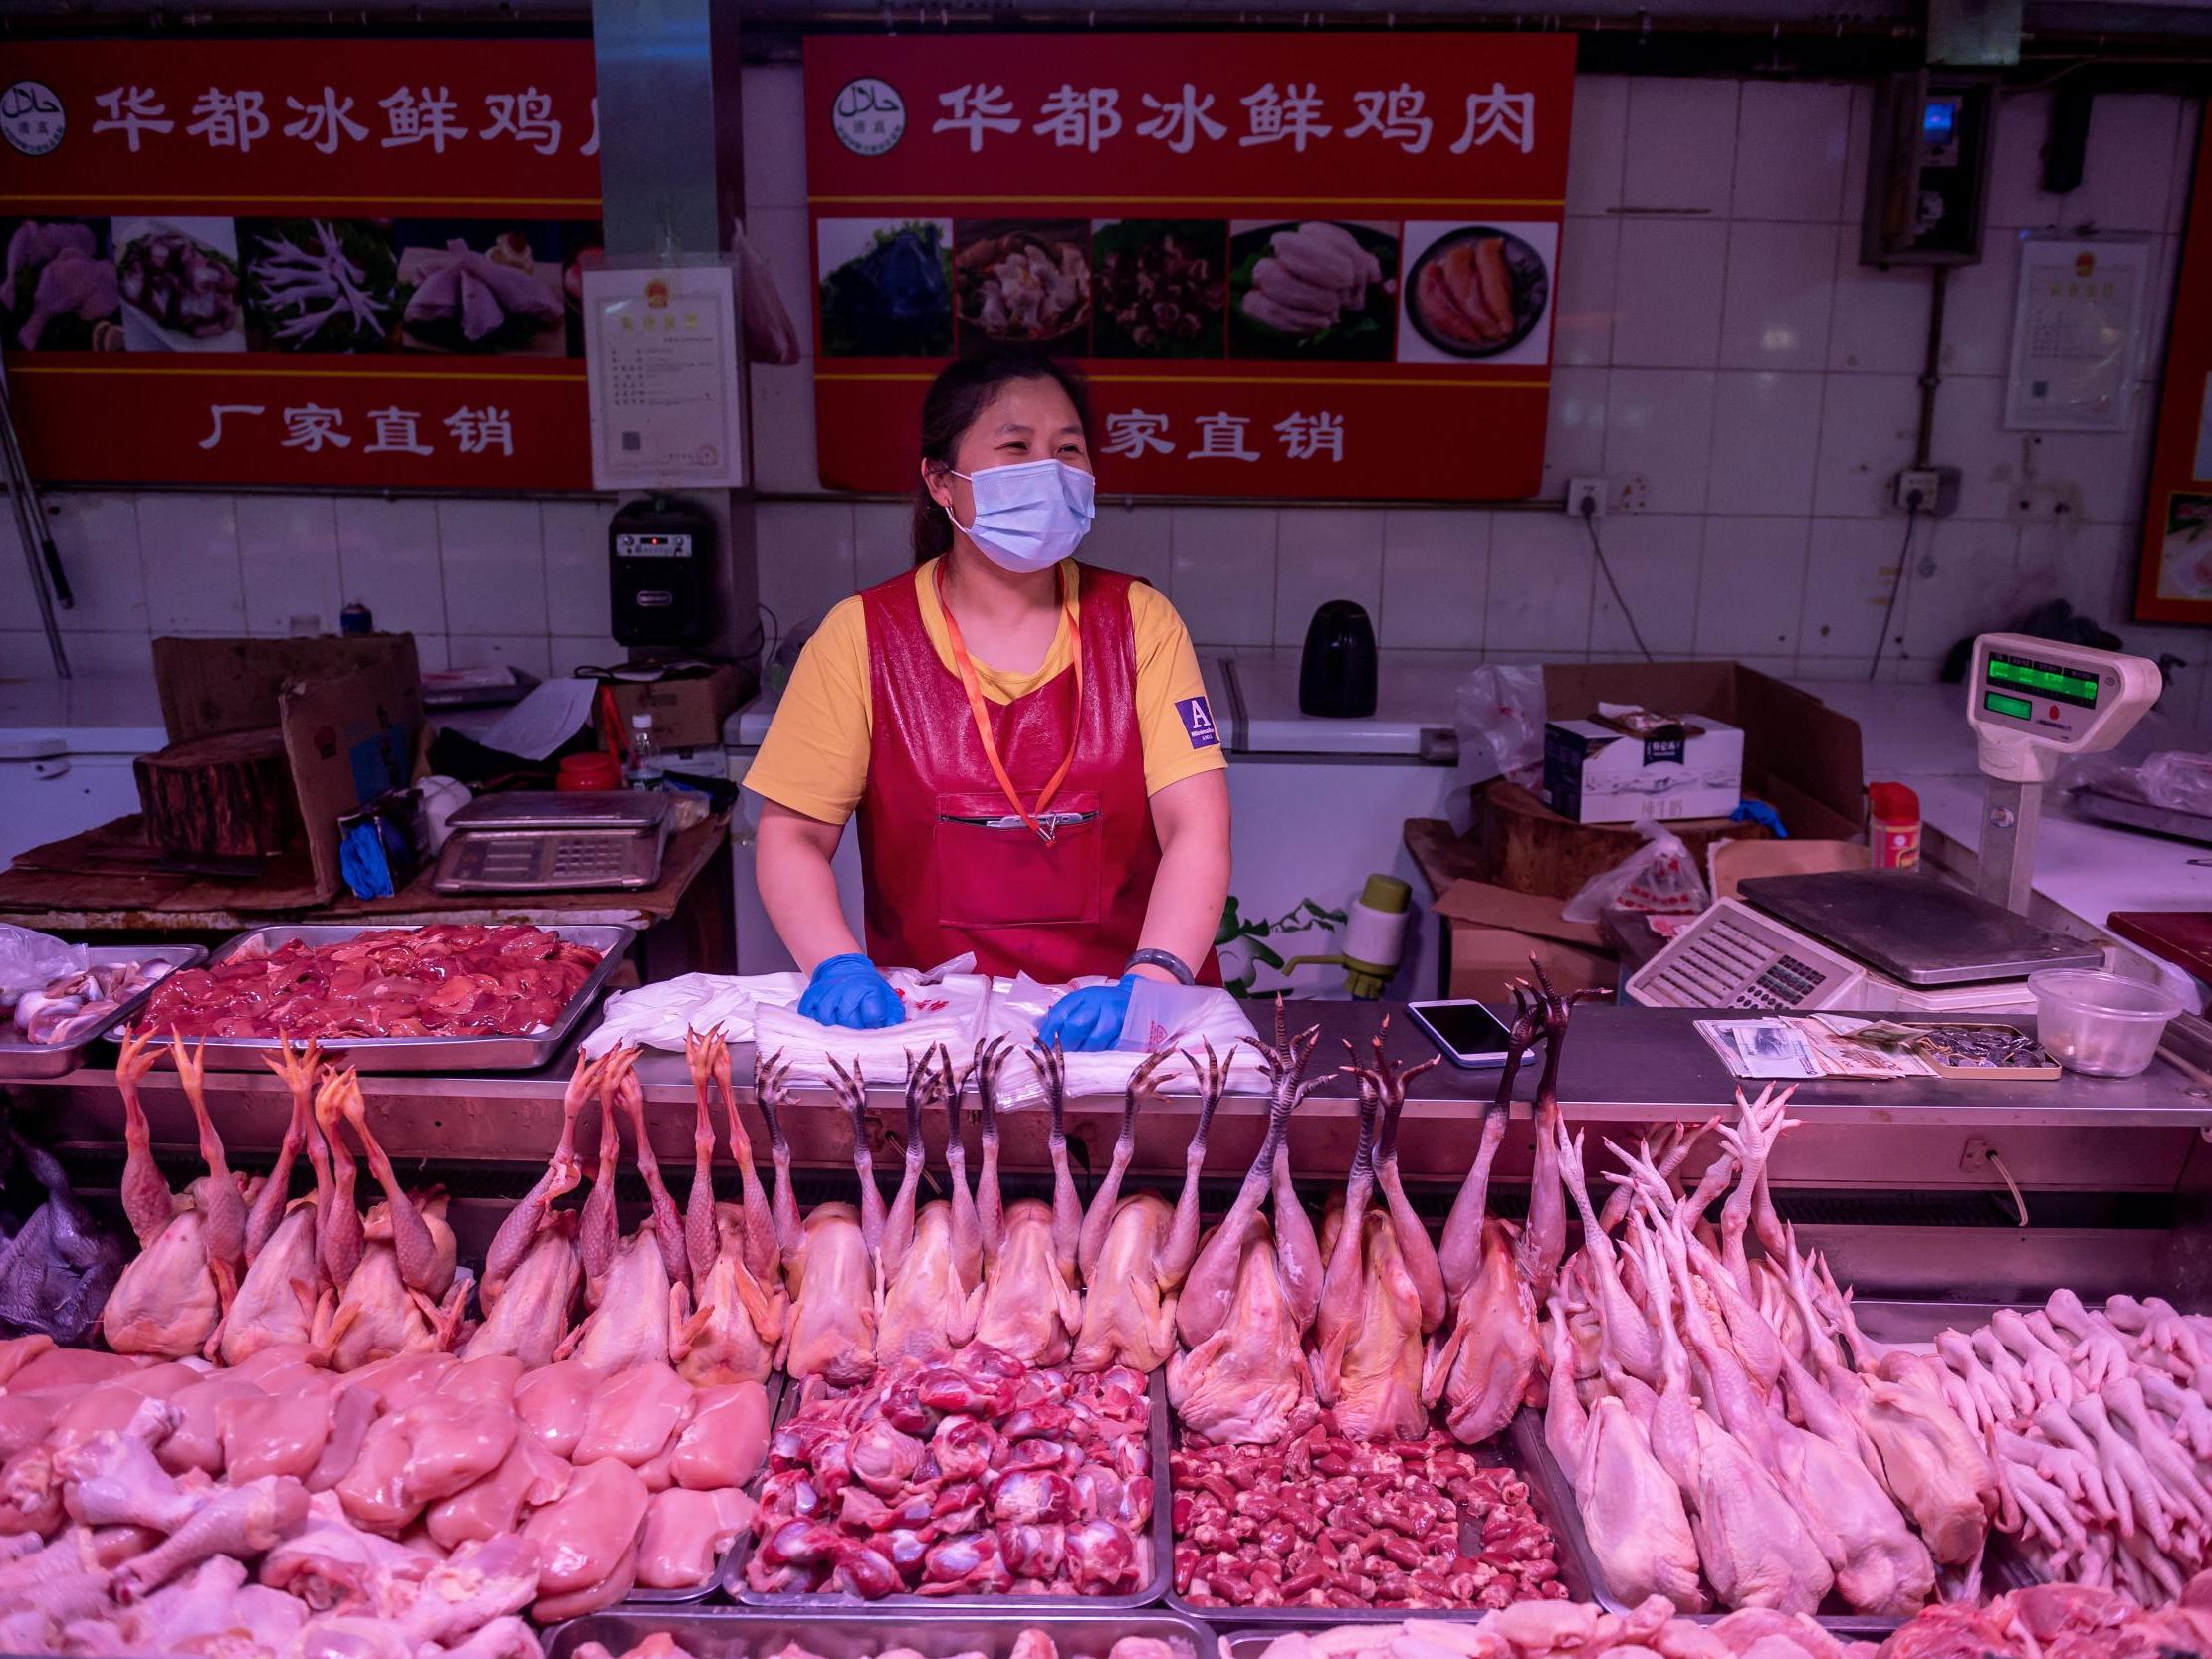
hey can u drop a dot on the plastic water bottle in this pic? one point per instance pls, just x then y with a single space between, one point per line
643 769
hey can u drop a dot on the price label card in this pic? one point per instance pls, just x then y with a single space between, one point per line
661 349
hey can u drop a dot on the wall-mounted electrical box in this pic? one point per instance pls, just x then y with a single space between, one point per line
661 558
1928 185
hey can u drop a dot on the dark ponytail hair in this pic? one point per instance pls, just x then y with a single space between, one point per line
957 399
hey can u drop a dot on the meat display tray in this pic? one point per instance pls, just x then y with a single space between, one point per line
36 1060
1508 1451
756 1633
421 1054
1149 1595
773 1388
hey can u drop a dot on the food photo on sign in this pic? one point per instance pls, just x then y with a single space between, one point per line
886 288
482 288
1476 291
1316 288
178 281
1159 287
1024 280
319 284
57 291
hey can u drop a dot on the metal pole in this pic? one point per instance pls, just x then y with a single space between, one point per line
39 552
2010 813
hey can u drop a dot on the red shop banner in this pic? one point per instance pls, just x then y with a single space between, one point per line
1319 265
288 262
2174 575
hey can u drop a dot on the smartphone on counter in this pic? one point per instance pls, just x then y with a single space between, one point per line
1469 1033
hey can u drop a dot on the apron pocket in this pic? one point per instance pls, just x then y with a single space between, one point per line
992 871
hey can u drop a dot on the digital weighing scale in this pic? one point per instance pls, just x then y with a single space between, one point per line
1904 941
554 841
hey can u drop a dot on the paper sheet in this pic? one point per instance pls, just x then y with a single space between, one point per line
551 712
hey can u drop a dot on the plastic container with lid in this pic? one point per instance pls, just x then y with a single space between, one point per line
2100 1024
1892 826
594 770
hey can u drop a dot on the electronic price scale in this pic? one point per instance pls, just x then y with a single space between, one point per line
554 841
1905 940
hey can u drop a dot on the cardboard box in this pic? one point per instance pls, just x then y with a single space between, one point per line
210 685
1490 933
1800 757
687 712
1598 774
350 711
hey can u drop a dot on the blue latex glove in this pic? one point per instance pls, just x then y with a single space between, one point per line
1758 812
1090 1018
847 990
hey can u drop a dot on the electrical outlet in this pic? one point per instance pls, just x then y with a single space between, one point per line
1919 482
1635 492
1974 1160
1585 498
1937 488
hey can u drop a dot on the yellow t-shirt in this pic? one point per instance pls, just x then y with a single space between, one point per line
815 759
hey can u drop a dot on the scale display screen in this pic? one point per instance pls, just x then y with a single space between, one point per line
2049 680
2000 703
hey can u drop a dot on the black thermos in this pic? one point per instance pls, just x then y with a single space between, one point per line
1336 677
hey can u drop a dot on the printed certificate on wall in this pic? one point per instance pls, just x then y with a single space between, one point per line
662 356
2077 332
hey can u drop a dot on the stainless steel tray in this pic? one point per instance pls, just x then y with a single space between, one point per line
1160 1534
27 1060
422 1054
754 1633
773 1387
1506 1451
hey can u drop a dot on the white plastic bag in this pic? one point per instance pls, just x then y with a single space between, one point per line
1498 712
1660 878
2177 781
30 960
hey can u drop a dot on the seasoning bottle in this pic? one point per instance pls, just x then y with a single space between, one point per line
644 768
1893 826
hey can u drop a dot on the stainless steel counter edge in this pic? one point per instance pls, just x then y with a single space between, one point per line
1622 1065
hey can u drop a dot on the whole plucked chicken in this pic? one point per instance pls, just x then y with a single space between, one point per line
1484 1362
172 1296
1241 1373
1030 1307
829 1261
736 1281
1383 1291
1134 1251
929 1262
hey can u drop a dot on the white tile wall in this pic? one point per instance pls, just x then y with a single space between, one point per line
1715 337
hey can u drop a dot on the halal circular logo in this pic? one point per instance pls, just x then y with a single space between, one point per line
868 115
31 117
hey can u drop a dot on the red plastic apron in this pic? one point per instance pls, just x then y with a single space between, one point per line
948 862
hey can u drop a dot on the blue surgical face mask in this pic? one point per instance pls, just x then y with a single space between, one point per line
1028 516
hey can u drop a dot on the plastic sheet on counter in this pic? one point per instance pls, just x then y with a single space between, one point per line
958 1009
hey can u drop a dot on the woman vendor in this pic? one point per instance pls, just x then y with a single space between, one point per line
1025 739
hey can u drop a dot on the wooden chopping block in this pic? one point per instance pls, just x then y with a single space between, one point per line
1522 844
226 796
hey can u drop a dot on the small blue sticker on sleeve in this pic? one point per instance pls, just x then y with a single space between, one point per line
1198 721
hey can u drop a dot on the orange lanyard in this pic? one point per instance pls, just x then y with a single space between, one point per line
1032 816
